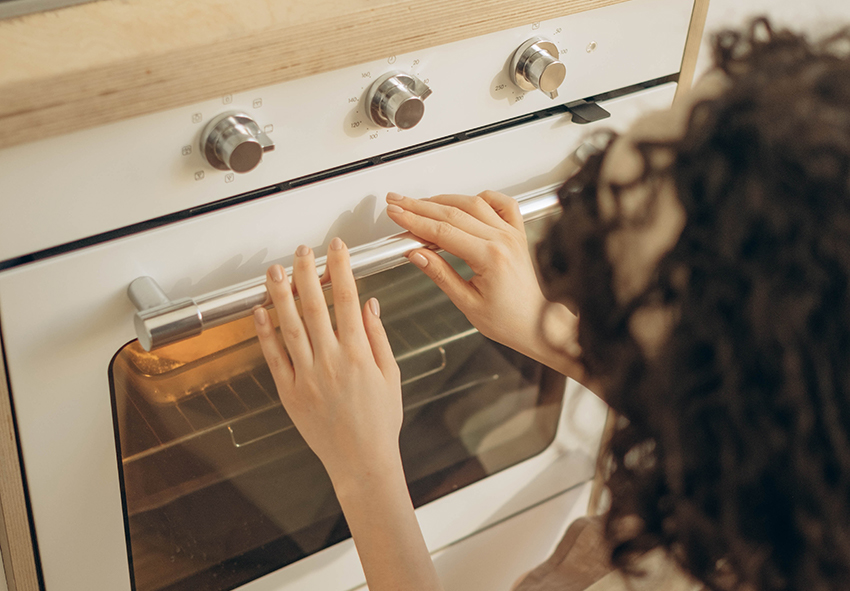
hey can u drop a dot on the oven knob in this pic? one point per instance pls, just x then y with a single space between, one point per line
396 100
535 65
234 141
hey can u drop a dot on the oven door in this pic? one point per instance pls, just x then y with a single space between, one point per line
179 470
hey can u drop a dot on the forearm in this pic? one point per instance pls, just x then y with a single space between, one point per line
380 515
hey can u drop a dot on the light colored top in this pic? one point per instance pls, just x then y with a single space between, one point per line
663 575
580 563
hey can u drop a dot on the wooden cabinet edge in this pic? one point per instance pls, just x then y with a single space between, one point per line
597 504
15 536
36 107
692 47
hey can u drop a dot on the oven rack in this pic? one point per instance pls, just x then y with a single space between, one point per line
247 404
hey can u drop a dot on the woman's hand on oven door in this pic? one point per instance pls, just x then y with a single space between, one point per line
342 390
503 299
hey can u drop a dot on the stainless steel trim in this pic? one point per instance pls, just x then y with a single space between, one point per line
160 322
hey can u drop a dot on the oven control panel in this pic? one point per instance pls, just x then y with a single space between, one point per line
177 160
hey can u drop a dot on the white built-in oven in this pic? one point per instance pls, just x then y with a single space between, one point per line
177 468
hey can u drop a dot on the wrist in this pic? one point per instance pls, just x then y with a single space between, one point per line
367 478
555 342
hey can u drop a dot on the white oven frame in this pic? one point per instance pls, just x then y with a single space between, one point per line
72 311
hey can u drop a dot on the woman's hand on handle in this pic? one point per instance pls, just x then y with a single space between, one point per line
503 300
342 391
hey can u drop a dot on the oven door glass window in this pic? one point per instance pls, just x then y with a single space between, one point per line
219 488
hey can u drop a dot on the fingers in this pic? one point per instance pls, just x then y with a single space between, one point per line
378 341
291 326
460 292
474 205
349 322
442 233
313 305
272 348
438 212
506 207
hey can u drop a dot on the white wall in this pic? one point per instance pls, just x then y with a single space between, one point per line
813 16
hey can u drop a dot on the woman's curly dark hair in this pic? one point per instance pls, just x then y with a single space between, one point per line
735 455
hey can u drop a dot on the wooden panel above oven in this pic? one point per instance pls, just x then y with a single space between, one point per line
91 64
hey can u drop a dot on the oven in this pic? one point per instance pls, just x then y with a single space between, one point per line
153 452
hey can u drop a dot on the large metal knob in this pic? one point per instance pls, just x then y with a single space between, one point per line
396 100
234 141
535 65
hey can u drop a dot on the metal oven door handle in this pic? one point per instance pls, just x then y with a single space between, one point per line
160 321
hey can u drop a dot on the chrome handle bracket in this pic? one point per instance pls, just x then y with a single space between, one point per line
158 320
146 293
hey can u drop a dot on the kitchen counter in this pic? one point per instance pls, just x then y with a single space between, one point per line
91 64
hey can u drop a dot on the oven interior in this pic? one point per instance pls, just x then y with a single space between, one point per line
218 486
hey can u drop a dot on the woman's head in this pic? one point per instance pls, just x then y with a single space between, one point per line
708 253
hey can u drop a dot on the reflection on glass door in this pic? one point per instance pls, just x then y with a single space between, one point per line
219 488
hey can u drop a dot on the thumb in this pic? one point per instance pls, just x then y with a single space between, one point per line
444 275
381 350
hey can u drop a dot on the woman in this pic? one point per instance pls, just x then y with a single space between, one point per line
707 252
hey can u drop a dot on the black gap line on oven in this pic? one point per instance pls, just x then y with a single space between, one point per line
321 176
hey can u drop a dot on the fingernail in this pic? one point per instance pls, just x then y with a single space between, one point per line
302 251
336 244
260 315
394 196
276 273
375 306
394 208
417 259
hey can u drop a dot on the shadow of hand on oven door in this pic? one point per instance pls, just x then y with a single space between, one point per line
233 270
361 225
556 176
